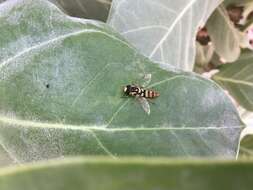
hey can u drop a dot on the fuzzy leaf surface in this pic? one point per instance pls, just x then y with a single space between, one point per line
61 83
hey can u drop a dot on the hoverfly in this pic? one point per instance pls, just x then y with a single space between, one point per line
141 93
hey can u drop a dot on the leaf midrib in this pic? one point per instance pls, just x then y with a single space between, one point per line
27 123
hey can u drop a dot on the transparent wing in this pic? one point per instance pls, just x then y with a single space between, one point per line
144 104
146 80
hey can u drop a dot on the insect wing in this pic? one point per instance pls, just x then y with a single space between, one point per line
147 80
144 104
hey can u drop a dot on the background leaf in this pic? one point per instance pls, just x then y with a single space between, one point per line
91 9
246 143
237 78
224 35
246 116
131 173
61 83
5 159
228 2
204 55
163 30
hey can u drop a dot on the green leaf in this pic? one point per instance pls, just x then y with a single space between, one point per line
132 173
163 30
224 35
237 79
236 2
246 143
61 83
92 9
5 158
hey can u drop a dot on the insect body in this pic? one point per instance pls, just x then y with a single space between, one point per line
136 91
141 94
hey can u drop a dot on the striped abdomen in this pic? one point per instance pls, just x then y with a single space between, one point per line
149 93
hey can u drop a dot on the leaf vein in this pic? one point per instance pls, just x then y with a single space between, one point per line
172 27
89 83
102 145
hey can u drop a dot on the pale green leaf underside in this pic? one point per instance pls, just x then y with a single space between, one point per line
224 35
129 173
61 85
163 30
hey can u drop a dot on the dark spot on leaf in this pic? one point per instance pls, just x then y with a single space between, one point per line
47 85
